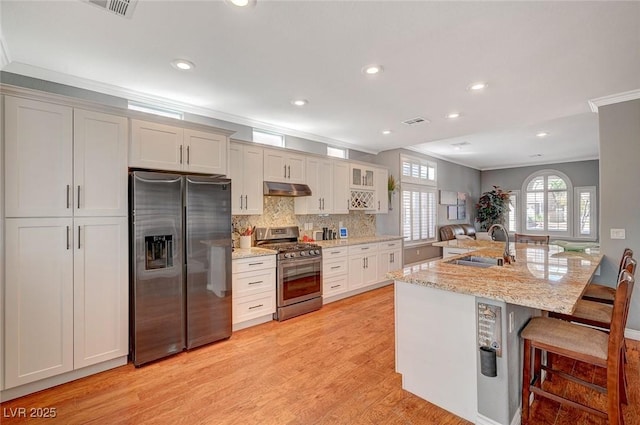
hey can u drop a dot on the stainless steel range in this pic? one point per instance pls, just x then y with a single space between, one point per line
299 273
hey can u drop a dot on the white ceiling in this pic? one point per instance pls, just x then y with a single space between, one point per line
543 61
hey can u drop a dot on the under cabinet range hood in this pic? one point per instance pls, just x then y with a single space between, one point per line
286 189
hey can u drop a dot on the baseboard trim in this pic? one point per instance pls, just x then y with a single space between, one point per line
517 418
632 334
483 420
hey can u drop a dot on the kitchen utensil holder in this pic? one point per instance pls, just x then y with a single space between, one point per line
488 365
245 242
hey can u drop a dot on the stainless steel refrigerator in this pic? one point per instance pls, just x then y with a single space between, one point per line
180 263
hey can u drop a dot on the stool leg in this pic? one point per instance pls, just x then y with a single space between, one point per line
526 381
623 378
614 407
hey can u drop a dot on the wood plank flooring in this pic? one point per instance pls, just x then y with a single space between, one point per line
333 366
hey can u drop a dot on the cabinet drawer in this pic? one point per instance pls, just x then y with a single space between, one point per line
252 306
389 245
253 263
334 285
254 282
363 249
335 252
335 267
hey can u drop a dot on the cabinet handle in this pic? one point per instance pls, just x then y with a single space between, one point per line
367 261
256 306
188 154
378 205
246 202
335 286
285 171
364 248
322 204
289 173
319 203
363 266
68 203
68 247
78 237
335 267
255 264
256 282
180 154
335 252
240 201
78 196
362 180
391 258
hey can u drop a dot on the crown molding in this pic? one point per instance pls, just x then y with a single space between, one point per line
594 104
136 96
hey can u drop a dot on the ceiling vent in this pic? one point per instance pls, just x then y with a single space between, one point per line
460 144
415 121
122 8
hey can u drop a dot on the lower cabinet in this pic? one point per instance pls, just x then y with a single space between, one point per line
254 290
66 295
363 265
389 258
335 271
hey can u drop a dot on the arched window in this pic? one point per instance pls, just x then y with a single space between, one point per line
548 199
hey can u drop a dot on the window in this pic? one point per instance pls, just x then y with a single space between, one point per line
266 138
156 110
419 204
585 212
513 222
337 152
419 171
547 204
418 213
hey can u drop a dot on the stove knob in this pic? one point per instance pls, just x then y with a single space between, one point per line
317 252
303 253
287 255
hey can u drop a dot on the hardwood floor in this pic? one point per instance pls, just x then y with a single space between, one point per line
333 366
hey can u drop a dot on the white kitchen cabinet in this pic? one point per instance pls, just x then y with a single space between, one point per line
254 290
335 271
381 204
320 180
38 299
159 146
284 167
38 158
100 290
341 191
363 265
246 171
389 258
99 164
362 176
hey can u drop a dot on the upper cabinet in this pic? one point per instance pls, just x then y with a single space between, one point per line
284 167
362 176
62 162
245 172
381 204
320 180
341 192
164 147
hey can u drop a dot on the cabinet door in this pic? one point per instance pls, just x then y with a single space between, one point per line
156 146
275 168
253 187
38 159
389 261
99 164
38 299
205 152
370 273
236 174
341 192
362 177
101 290
356 271
296 168
381 178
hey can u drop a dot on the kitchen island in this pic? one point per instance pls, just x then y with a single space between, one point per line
440 323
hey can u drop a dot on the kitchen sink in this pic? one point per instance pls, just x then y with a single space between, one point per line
474 261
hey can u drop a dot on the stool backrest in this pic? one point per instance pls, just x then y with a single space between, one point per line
628 252
619 318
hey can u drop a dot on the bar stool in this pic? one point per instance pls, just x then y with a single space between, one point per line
534 239
581 343
603 293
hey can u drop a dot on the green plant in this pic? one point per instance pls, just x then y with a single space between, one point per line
391 184
492 207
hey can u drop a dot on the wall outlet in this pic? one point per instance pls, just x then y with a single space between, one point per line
417 252
618 234
340 224
512 321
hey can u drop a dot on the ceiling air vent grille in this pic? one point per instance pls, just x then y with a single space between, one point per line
415 121
122 8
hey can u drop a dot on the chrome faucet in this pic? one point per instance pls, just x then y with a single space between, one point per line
506 255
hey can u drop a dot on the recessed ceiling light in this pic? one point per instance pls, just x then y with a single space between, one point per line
182 64
299 102
385 132
242 3
372 69
542 134
478 86
453 115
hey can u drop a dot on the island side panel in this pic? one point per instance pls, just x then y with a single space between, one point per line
436 346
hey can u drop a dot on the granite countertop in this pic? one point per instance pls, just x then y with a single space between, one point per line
542 277
357 240
251 252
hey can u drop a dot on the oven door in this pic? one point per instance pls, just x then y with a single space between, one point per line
299 280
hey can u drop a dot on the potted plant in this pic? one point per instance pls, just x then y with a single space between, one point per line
492 207
391 187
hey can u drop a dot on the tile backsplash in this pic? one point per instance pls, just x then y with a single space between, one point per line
279 211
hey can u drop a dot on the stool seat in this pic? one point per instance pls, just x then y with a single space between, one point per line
594 311
597 292
568 337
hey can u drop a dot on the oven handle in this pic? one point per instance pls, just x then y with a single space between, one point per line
299 261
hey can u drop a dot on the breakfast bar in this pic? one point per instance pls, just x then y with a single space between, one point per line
446 310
